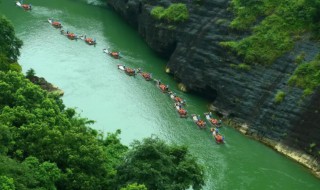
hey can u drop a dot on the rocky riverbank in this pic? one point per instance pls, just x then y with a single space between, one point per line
45 85
243 95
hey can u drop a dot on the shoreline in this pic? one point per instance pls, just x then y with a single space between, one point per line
298 156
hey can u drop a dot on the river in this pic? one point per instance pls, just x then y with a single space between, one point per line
99 91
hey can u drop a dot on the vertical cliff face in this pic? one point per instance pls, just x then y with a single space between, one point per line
247 96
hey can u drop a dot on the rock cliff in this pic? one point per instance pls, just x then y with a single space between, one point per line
197 60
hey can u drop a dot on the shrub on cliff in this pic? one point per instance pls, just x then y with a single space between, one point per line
307 76
176 12
279 97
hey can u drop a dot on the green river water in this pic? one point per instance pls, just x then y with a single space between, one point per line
93 84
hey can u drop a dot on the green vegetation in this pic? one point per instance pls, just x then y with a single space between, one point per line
307 76
274 25
241 66
160 166
300 58
176 12
10 44
30 73
279 97
44 145
134 186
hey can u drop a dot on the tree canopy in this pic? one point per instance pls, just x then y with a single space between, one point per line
158 165
10 44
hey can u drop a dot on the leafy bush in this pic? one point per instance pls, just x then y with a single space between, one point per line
176 12
279 97
307 76
158 12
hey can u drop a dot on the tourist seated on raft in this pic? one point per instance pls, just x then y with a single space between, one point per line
214 131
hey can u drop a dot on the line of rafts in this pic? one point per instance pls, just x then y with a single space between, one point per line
26 7
133 72
71 35
179 103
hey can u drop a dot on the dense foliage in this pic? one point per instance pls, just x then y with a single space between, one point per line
176 12
10 44
307 76
29 174
44 145
160 166
274 25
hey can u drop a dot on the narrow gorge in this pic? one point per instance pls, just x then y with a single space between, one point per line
245 95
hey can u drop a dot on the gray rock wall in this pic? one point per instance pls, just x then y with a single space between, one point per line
198 61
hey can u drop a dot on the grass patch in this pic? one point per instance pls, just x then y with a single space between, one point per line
273 25
176 12
300 58
279 97
242 66
307 76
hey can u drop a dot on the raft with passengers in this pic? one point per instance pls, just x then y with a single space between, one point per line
212 121
114 54
26 7
217 136
145 75
127 70
182 112
198 121
89 41
55 23
164 88
70 35
176 98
